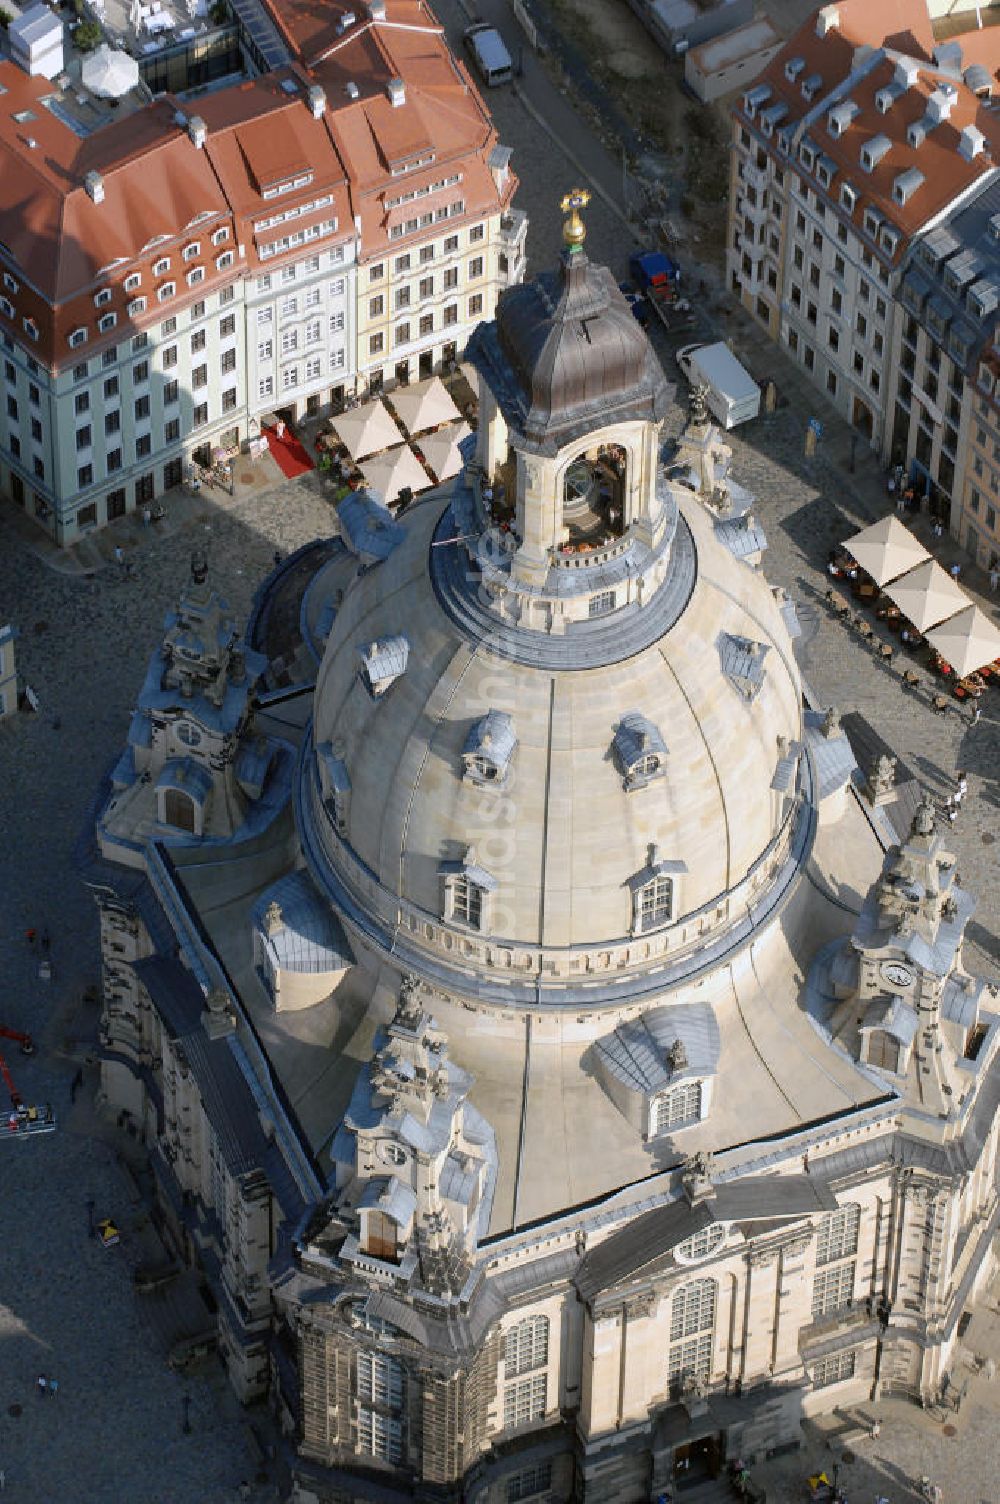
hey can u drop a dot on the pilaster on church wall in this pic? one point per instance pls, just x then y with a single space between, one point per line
601 1367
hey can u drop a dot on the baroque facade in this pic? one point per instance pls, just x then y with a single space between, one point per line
176 270
860 232
544 1109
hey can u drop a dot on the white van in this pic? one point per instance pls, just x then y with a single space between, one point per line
733 395
486 47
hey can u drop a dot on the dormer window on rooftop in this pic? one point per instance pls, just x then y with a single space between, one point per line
654 893
382 663
489 748
640 753
467 890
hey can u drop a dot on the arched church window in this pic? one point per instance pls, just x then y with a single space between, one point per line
467 887
178 810
692 1329
702 1245
467 902
379 1386
678 1107
593 496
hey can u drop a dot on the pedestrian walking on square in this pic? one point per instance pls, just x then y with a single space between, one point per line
46 940
30 936
43 1385
147 516
876 1429
977 711
994 577
76 1083
3 1479
955 571
120 557
53 1387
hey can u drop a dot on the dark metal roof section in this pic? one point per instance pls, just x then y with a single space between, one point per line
566 355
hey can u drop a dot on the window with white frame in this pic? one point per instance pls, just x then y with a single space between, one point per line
834 1370
219 235
107 321
192 252
78 337
677 1107
526 1356
102 298
314 368
289 378
654 903
265 350
264 317
379 1387
465 901
336 360
692 1330
701 1245
833 1289
265 387
530 1483
224 261
289 341
837 1234
161 266
166 291
195 275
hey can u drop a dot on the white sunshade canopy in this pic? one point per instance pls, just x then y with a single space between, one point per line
423 405
927 595
441 450
389 473
109 73
886 550
366 429
968 641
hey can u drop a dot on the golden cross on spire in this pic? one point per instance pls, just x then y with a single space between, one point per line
574 229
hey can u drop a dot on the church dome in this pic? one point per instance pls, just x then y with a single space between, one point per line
565 797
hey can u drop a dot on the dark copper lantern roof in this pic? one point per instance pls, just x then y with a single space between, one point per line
566 355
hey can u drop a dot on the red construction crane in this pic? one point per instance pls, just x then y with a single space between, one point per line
23 1119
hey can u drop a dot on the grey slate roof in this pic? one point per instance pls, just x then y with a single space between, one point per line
389 1195
756 1198
741 536
961 1006
636 736
472 871
386 659
311 938
784 774
833 757
337 775
636 1051
252 762
228 1100
368 528
743 663
494 737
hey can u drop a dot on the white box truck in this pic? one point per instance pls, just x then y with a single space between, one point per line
733 395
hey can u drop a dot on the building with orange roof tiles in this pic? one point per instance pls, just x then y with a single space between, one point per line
175 270
862 135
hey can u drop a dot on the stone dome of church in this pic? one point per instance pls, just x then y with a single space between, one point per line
657 764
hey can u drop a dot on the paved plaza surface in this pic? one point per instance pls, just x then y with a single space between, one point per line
114 1431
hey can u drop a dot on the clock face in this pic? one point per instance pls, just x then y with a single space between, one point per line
188 734
896 974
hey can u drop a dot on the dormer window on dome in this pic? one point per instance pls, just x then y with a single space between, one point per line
335 782
467 890
654 893
489 748
658 1069
743 663
639 751
382 663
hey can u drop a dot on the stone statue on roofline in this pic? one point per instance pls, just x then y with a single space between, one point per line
698 405
696 1177
677 1056
882 777
832 725
925 819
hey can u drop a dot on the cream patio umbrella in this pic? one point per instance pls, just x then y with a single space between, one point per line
967 641
389 473
109 73
441 450
423 405
886 550
927 595
366 429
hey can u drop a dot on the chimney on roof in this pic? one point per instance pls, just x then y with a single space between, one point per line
907 72
198 131
396 90
351 90
827 20
317 101
376 10
971 142
941 103
94 185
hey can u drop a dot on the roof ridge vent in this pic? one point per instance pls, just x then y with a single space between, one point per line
317 101
941 102
198 131
396 90
827 20
971 142
907 71
94 184
351 90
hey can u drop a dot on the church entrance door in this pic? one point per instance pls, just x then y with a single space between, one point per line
694 1461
